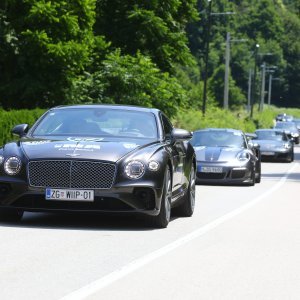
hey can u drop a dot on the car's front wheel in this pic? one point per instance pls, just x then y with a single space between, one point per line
10 215
291 157
163 218
258 172
252 179
186 209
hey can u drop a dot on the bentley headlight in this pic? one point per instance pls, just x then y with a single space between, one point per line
12 165
243 156
287 146
1 159
134 169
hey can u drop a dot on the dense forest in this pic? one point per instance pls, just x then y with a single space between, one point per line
150 53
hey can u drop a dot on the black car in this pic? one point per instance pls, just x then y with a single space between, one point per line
297 123
290 129
99 158
274 144
225 157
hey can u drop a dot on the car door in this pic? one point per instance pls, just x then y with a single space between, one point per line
177 150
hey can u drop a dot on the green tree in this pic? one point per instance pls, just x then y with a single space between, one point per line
216 84
46 44
155 28
130 80
291 49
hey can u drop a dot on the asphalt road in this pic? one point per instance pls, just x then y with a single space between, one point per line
241 243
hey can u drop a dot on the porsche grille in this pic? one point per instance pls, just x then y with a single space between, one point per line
71 174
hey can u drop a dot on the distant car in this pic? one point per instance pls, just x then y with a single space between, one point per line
280 117
290 129
99 158
224 157
274 144
288 118
284 118
297 122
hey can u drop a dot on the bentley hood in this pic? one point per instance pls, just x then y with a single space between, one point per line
106 150
217 154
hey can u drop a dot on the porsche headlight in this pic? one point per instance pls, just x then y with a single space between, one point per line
1 159
134 169
243 156
12 165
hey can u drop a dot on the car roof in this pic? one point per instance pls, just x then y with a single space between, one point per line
220 130
286 122
268 129
110 106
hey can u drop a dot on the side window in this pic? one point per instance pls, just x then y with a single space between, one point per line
167 126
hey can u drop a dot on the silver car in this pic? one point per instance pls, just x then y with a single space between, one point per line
274 144
225 157
290 129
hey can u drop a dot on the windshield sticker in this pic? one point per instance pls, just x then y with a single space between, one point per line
80 147
35 143
71 139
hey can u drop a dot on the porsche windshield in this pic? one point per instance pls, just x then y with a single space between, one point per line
286 125
218 139
271 135
97 122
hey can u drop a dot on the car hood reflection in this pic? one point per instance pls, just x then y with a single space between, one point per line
81 149
220 154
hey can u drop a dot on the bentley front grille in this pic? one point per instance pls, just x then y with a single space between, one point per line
71 174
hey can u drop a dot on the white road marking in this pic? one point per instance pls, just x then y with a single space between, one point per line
102 282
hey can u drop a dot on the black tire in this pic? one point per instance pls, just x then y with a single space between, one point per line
292 156
258 173
252 182
163 218
10 215
186 208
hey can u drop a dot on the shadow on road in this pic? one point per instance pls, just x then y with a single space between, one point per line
77 221
297 157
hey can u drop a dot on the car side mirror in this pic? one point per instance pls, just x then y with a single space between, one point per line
250 136
20 129
253 145
181 134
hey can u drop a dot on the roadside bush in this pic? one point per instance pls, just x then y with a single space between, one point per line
219 118
130 80
214 118
8 119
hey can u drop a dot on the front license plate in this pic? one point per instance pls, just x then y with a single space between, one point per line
211 169
69 195
267 153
